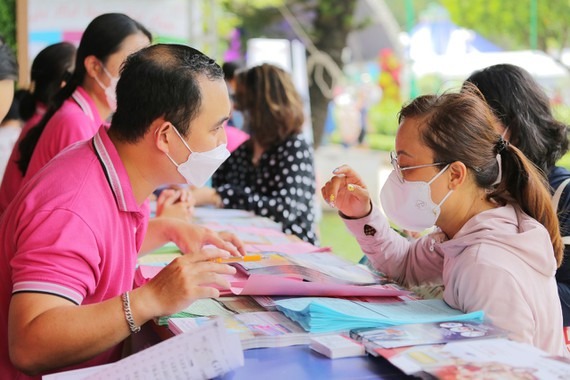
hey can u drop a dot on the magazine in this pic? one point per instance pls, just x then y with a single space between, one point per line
425 333
255 330
495 358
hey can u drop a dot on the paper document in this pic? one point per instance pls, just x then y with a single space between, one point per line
203 353
331 314
255 330
259 284
480 359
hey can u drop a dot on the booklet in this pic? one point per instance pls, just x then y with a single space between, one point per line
255 329
313 267
478 359
319 314
425 333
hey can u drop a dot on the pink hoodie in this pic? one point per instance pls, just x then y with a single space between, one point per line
501 262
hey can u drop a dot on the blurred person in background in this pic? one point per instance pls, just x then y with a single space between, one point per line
10 129
527 121
50 71
88 98
234 127
272 173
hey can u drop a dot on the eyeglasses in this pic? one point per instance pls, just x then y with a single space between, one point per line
399 170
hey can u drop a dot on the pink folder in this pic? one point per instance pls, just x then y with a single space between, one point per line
268 285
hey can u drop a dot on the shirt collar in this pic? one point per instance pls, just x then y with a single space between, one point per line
87 105
115 171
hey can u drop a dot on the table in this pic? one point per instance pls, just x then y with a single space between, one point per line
301 363
288 363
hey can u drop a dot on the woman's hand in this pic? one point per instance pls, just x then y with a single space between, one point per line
346 191
191 238
206 196
175 203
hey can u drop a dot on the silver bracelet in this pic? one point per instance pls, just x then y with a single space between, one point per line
129 314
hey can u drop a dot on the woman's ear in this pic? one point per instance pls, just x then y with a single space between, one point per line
92 66
457 174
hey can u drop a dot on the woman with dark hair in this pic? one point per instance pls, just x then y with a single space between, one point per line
497 245
51 69
88 98
272 173
527 122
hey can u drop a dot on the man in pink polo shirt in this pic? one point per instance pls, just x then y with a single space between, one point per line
70 239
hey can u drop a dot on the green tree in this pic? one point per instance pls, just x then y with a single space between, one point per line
8 22
333 22
508 22
323 24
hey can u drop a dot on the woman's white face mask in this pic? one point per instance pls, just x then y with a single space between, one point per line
111 90
409 203
200 166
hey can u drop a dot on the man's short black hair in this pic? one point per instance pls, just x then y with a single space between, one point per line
160 81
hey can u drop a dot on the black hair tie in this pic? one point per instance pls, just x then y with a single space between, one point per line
501 145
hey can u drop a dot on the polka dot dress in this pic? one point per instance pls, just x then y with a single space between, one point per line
281 187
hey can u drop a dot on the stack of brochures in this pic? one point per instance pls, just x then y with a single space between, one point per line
255 330
313 267
377 338
319 314
228 218
495 358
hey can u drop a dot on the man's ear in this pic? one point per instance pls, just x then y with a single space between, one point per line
161 137
457 174
92 66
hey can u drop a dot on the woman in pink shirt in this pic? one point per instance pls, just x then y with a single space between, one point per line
88 98
50 71
497 245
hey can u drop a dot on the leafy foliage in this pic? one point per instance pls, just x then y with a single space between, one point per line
508 22
8 22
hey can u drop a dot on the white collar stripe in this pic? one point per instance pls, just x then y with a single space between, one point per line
111 173
83 104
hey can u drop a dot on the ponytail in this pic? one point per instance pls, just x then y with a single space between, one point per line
523 183
102 37
29 142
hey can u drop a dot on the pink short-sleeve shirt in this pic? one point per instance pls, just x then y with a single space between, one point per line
78 119
73 231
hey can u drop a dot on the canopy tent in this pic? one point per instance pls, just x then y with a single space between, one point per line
444 38
459 66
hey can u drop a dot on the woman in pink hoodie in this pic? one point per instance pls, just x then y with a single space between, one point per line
497 245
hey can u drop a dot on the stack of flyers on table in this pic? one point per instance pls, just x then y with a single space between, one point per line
495 358
255 329
313 267
417 334
319 314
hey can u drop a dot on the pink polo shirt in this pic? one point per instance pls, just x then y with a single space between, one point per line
74 231
12 180
77 119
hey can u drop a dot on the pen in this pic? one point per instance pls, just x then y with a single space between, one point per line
237 259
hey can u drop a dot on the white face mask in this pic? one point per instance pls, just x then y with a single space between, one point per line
200 165
408 204
111 91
